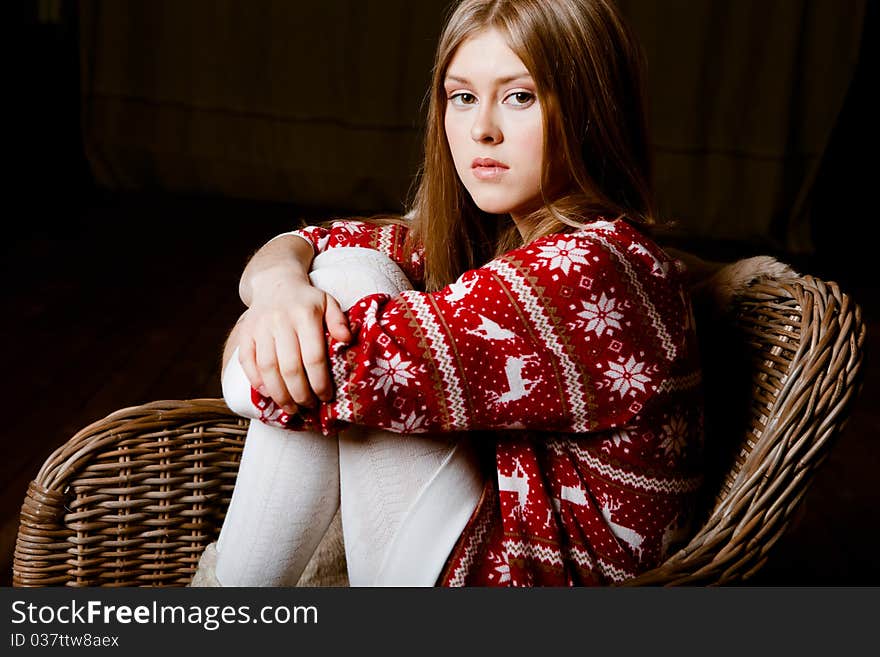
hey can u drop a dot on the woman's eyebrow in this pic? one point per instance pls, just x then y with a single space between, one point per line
502 80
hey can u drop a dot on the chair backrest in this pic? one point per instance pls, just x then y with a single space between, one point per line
782 366
132 500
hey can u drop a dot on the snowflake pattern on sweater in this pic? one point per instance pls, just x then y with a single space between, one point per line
574 358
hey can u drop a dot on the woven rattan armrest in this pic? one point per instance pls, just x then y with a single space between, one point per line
131 500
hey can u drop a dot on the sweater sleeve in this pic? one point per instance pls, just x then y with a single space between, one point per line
565 334
389 239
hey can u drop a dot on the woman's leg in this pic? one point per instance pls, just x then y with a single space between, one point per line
287 490
405 502
405 499
286 494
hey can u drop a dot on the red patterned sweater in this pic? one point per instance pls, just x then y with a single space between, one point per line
574 359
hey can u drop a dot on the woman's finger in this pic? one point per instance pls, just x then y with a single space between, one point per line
267 364
290 366
337 322
247 356
313 346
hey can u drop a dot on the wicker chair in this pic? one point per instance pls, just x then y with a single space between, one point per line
132 500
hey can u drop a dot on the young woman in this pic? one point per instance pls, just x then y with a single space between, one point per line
548 344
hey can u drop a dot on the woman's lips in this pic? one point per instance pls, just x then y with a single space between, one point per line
486 168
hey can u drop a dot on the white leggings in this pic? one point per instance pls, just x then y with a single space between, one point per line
404 499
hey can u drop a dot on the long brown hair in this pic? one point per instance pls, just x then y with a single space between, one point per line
589 73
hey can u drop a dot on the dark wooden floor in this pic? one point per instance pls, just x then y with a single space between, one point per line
128 300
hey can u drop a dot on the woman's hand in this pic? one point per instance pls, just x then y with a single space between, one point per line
282 348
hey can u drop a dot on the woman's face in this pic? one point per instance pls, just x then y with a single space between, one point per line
494 126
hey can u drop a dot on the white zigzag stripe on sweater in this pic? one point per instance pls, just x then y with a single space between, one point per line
385 242
581 557
452 387
516 548
662 332
342 403
615 573
671 485
574 392
467 559
677 384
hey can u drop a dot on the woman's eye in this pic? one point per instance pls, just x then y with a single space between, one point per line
521 98
462 98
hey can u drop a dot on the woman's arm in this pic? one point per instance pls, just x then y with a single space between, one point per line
569 334
282 347
287 257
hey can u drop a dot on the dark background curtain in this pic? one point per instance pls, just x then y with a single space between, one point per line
320 104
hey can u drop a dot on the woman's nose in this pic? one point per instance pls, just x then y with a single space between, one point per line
485 127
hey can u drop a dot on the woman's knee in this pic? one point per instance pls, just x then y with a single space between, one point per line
237 388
